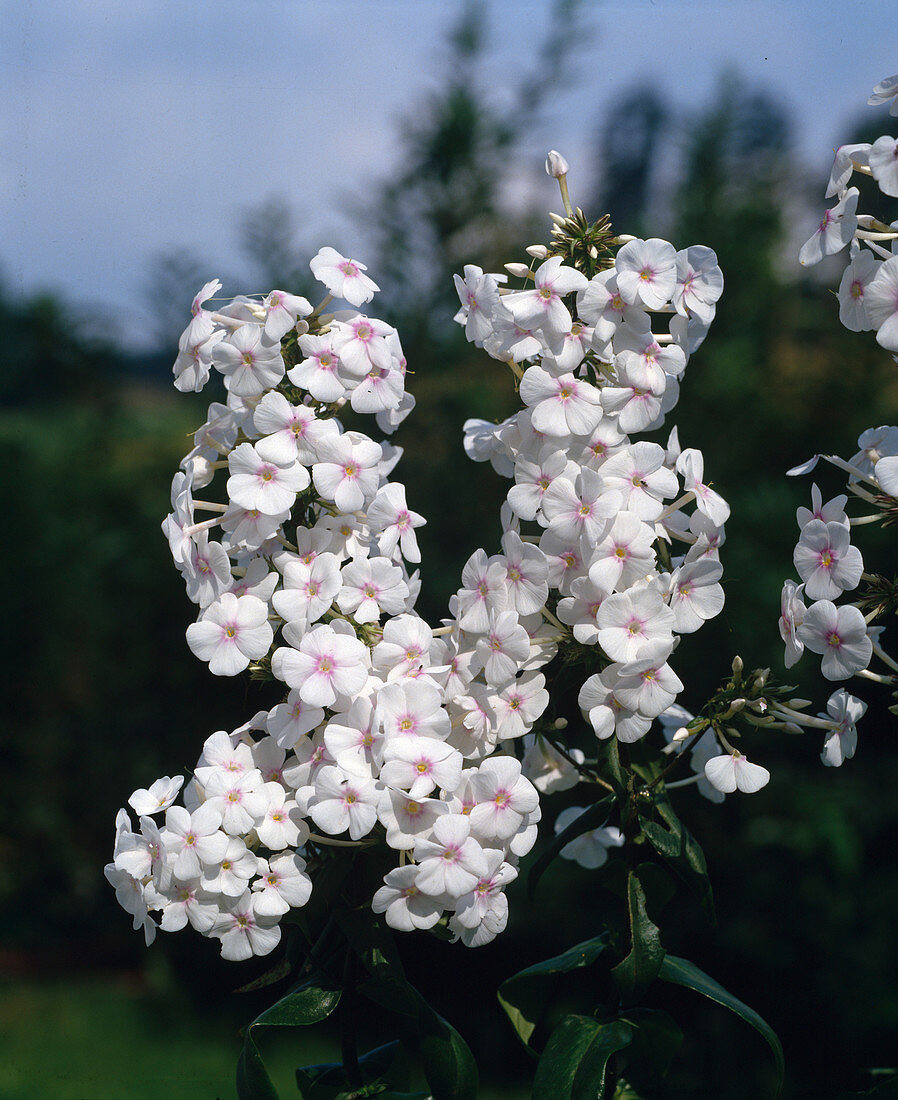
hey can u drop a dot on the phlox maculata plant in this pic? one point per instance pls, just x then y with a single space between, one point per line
393 784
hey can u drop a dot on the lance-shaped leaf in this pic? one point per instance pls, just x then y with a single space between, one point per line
885 1090
574 1064
306 1004
276 973
385 982
679 848
641 966
448 1064
656 1041
682 972
329 1081
527 995
613 770
594 817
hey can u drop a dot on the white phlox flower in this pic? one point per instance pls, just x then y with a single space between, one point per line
482 913
479 296
590 849
326 664
282 311
243 930
231 632
637 399
342 803
734 772
839 635
881 302
886 91
404 905
833 511
250 364
361 343
420 764
883 162
452 862
343 277
695 594
699 283
346 472
845 711
647 272
543 306
256 483
158 797
853 290
836 229
792 612
562 405
630 620
690 465
846 159
826 561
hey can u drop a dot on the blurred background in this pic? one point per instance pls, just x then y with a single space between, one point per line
153 146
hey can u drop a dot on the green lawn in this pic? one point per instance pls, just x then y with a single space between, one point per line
116 1038
108 1039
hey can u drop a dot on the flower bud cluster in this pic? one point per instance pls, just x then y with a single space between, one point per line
386 732
593 517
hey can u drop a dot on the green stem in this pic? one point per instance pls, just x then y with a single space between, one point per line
348 1031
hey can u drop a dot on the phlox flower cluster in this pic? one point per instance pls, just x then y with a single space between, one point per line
385 731
829 566
831 569
868 291
613 539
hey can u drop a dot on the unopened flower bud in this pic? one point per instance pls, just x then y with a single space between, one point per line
737 666
520 271
682 734
556 165
560 723
301 327
537 251
558 220
798 704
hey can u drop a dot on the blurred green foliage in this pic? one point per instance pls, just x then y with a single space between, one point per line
102 695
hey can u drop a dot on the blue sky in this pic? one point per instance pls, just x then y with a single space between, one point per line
136 127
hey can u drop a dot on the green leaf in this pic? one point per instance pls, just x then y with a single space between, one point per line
656 1041
253 1082
675 844
615 773
448 1064
528 994
306 1004
592 818
276 973
641 966
682 972
329 1080
373 942
575 1062
886 1090
404 1096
